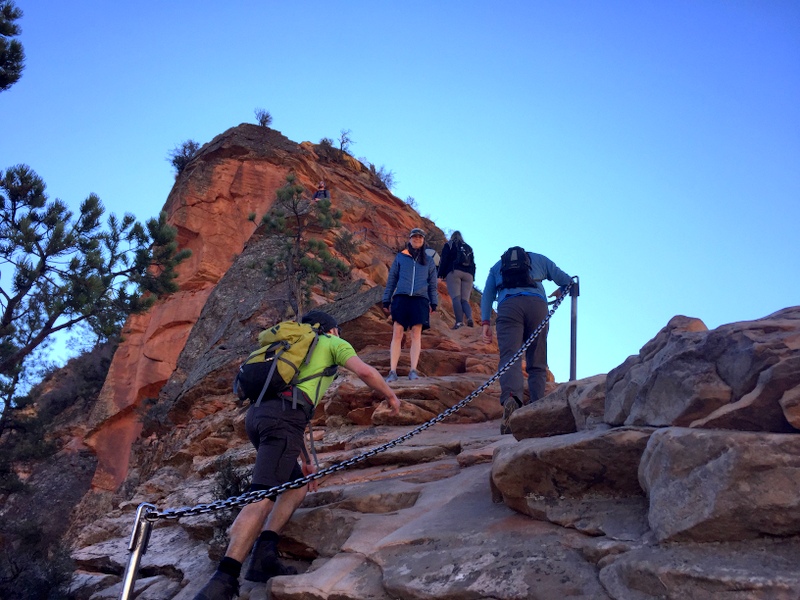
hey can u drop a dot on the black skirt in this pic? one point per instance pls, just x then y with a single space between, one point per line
410 311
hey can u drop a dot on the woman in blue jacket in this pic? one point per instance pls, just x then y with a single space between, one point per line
411 294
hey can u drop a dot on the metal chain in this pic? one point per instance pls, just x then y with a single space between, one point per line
258 495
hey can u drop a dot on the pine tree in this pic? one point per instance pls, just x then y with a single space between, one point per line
61 270
12 54
301 261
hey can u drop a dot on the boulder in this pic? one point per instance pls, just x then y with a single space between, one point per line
572 406
758 570
732 377
713 486
586 480
671 382
765 407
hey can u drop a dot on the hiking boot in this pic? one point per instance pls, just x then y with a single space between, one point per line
264 563
392 376
220 587
458 325
413 374
470 323
509 407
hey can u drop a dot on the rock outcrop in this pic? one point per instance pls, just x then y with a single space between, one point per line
694 462
588 509
234 176
674 476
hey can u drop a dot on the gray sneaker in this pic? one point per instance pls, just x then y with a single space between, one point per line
220 587
509 407
413 374
392 376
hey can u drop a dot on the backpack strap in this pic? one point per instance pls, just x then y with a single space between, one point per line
281 350
326 372
295 396
311 443
312 347
305 452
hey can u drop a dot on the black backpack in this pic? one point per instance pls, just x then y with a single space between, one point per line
464 257
515 268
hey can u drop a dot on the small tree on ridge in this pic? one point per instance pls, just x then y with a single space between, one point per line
301 261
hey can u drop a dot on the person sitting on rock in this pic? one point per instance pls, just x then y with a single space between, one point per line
275 427
411 292
322 192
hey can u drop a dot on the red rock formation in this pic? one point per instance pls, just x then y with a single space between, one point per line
234 176
618 484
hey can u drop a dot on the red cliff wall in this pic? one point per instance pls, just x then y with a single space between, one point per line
232 177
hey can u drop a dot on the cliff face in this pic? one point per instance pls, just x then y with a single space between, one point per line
674 476
235 175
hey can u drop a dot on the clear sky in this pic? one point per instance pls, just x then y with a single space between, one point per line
650 147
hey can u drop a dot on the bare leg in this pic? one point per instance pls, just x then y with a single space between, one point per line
285 506
264 563
416 345
246 528
261 516
397 342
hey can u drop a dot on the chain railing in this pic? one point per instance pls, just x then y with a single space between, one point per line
147 514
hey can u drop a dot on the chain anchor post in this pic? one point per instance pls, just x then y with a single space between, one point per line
137 546
574 292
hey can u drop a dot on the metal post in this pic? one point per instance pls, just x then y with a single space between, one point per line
137 547
573 346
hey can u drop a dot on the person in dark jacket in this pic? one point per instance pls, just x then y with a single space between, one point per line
520 310
457 268
322 192
411 293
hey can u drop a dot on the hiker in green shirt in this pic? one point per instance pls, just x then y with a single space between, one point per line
275 427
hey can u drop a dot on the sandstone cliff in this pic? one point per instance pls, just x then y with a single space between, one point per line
674 476
235 175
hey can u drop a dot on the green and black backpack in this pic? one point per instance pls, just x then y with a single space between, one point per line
274 368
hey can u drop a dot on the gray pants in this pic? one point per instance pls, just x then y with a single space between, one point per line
459 286
517 318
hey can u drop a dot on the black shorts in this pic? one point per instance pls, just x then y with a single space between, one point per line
411 310
276 431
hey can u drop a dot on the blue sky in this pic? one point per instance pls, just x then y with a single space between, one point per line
652 148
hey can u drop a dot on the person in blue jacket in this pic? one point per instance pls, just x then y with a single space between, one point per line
410 296
520 310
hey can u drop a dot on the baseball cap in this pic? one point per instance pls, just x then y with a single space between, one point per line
325 321
416 231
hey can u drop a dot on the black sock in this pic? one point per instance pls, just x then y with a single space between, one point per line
230 566
268 536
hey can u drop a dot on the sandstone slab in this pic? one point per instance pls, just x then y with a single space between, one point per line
761 570
709 485
572 406
586 480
